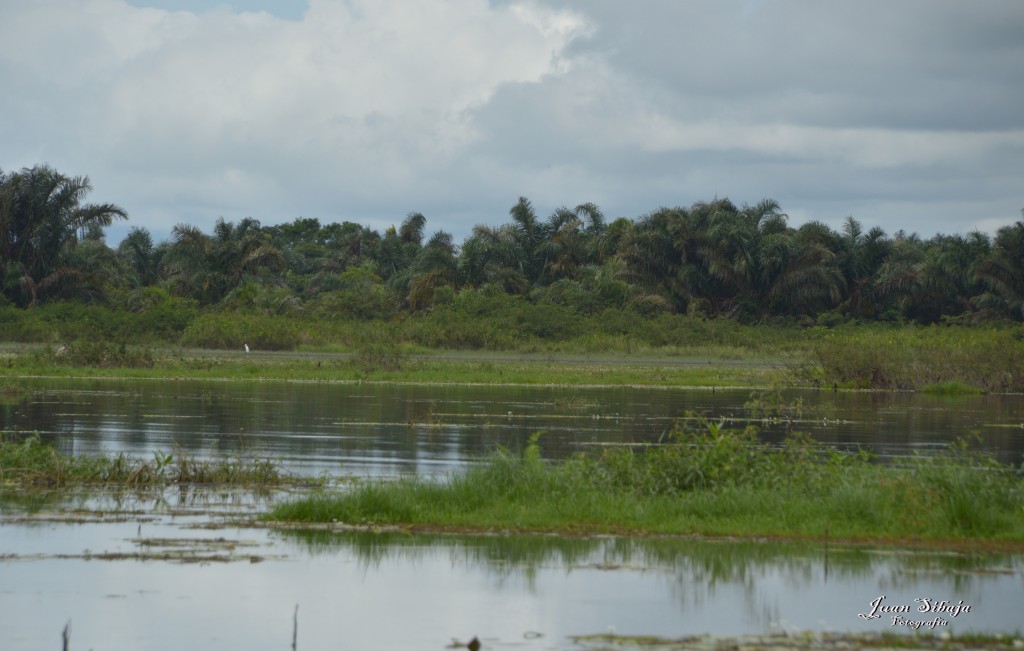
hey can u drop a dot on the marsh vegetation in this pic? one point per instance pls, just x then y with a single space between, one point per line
706 480
28 462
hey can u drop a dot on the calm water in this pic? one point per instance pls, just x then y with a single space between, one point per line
386 429
148 572
391 591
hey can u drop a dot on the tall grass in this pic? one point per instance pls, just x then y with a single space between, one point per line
97 354
233 331
709 480
909 357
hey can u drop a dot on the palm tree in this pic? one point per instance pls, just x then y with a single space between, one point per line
529 233
565 247
140 257
798 274
412 228
1002 270
42 220
935 278
860 256
592 216
434 267
208 267
650 252
729 246
494 255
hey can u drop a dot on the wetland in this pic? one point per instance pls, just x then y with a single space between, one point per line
186 566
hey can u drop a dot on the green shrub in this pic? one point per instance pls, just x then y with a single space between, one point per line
234 331
913 357
98 354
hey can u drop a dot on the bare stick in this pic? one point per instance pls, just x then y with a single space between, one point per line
66 636
295 629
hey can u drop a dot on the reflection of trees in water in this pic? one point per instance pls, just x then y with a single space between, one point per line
503 557
957 573
140 502
693 569
429 427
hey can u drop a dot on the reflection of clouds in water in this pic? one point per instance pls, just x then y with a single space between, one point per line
401 591
719 587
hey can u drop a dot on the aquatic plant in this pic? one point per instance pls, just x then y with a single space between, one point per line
709 480
31 462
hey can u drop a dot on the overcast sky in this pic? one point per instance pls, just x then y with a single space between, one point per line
902 113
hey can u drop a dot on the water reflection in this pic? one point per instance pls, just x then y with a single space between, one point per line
392 590
386 429
699 585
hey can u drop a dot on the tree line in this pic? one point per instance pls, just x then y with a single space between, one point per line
712 258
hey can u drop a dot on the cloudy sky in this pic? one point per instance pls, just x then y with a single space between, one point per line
905 114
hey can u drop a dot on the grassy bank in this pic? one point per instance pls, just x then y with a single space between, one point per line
724 367
31 463
939 359
610 348
709 481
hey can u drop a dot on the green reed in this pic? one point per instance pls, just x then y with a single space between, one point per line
708 480
32 463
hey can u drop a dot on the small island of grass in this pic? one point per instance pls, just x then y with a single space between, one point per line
710 481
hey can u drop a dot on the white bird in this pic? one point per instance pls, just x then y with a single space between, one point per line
246 347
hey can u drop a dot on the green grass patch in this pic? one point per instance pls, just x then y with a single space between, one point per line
708 481
913 358
668 350
385 363
952 388
32 463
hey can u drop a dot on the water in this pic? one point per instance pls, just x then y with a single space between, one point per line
173 570
378 429
237 587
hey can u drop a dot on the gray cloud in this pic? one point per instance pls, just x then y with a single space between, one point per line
903 114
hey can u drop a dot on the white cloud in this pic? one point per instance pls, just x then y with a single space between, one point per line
859 147
368 109
358 97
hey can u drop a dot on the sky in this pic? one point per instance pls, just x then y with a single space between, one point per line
904 115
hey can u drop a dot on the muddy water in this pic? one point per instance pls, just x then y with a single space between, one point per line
169 572
387 429
187 571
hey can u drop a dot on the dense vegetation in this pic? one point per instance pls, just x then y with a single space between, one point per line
709 480
712 259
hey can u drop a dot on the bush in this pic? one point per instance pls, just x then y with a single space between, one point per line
153 316
234 331
99 354
912 357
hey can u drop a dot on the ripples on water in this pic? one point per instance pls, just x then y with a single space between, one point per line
234 586
386 429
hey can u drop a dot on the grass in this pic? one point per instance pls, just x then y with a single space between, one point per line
952 388
707 481
668 351
32 463
380 363
987 359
